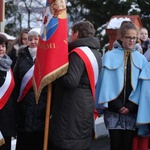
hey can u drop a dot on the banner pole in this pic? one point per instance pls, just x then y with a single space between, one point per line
47 116
2 15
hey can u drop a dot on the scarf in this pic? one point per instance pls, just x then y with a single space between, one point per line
5 63
33 52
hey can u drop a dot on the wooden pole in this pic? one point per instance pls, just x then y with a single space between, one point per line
47 117
2 15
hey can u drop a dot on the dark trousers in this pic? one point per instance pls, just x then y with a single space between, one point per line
7 145
30 141
52 147
66 149
121 139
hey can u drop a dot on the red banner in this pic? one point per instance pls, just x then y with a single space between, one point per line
52 54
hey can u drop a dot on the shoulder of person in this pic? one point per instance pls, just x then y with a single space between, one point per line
148 40
138 47
22 50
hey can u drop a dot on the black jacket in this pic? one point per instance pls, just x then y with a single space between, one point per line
12 54
7 113
31 116
122 99
71 124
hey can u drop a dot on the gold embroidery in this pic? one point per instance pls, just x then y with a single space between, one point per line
126 55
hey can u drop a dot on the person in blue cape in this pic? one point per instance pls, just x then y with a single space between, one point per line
143 117
116 88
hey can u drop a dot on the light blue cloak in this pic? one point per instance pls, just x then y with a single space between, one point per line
111 79
143 116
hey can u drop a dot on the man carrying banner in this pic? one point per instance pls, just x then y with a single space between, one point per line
72 120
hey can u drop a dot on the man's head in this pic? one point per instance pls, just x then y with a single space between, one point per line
82 29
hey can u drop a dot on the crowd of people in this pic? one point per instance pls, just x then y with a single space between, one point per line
118 82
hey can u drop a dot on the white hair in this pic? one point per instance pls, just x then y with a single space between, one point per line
34 32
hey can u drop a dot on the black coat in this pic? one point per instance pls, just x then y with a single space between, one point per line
12 54
7 113
71 124
31 116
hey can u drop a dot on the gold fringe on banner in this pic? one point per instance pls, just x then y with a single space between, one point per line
2 140
49 78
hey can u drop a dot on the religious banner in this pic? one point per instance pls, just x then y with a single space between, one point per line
52 54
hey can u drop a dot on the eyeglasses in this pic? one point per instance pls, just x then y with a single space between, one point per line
130 38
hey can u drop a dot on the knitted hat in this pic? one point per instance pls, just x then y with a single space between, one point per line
34 32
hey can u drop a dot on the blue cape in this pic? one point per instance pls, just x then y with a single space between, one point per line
111 79
143 116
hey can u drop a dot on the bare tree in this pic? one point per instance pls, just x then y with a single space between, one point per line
21 14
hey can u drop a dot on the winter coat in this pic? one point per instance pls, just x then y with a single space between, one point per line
31 116
71 124
7 107
7 113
